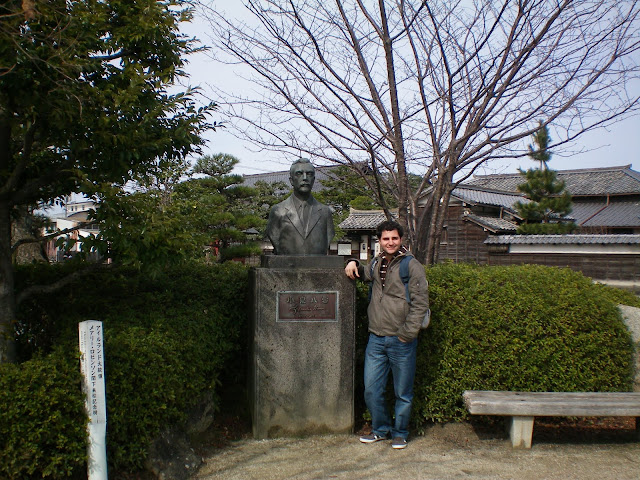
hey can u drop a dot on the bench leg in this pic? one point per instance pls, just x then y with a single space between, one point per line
638 429
521 432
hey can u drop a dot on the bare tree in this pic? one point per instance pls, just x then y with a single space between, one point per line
432 88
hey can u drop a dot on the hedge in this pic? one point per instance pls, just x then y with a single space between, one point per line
173 337
42 419
529 328
167 341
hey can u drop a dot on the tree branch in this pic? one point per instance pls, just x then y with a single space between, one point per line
57 285
45 238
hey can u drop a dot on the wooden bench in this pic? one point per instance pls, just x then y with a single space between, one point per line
523 407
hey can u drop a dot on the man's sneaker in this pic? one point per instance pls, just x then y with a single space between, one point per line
398 443
371 438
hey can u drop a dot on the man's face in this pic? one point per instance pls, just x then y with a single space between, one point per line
302 178
390 241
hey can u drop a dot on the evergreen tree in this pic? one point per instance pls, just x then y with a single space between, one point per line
228 206
345 189
176 221
549 202
539 153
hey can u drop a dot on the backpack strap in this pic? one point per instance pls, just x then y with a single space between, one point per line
404 275
373 266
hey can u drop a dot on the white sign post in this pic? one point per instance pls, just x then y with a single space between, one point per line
92 368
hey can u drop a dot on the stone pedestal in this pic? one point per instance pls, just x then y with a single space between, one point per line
302 361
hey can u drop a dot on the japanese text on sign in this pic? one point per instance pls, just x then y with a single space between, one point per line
92 367
307 307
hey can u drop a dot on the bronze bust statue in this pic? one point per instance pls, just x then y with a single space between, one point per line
300 225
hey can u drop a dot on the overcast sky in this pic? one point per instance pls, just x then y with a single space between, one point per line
615 146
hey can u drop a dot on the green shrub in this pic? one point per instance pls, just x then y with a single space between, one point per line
240 251
529 328
167 341
42 418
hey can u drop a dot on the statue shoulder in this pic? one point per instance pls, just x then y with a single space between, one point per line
282 205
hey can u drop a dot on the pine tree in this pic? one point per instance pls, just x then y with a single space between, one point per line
541 139
549 202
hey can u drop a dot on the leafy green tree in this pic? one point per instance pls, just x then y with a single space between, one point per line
542 140
267 195
234 207
548 199
174 221
84 107
219 165
346 188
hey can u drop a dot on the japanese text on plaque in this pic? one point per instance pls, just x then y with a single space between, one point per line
307 307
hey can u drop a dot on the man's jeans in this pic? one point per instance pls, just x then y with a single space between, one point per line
386 354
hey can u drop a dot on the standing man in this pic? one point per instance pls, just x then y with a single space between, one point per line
300 225
394 325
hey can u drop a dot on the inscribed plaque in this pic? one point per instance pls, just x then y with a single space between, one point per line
307 307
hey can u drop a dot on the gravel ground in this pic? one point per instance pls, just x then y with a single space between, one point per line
452 451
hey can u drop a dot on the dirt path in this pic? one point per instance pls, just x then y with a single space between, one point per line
453 451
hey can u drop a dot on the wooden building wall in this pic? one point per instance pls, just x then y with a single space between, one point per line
463 241
598 267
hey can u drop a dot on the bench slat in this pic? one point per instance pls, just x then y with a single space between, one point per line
572 404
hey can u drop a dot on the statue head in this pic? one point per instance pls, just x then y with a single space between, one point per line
310 231
302 175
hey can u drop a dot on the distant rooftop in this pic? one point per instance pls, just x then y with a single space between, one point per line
613 214
590 181
493 224
475 195
322 173
629 239
363 220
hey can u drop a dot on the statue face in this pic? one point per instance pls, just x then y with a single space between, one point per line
302 178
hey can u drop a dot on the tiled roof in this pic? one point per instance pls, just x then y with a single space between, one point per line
582 211
492 223
593 181
630 239
479 195
615 214
322 173
363 220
